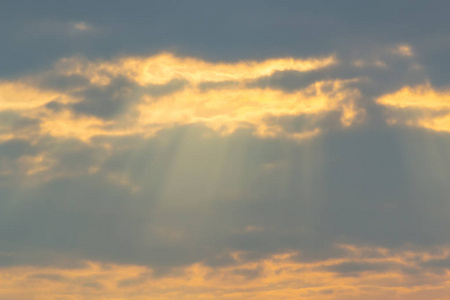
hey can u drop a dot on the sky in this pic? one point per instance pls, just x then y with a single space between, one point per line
224 150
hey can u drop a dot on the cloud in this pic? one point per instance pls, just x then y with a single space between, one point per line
277 275
131 95
240 175
420 106
19 96
105 144
82 26
164 67
226 150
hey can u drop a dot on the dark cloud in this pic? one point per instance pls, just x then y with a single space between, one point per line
229 30
63 83
93 285
432 55
248 273
15 148
220 260
11 121
357 268
289 80
55 106
205 86
437 266
48 276
134 281
157 90
266 196
107 101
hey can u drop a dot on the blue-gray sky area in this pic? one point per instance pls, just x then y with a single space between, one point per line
224 150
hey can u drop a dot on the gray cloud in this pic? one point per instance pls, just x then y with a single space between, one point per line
48 276
355 268
350 187
106 101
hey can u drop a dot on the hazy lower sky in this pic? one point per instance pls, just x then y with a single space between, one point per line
225 150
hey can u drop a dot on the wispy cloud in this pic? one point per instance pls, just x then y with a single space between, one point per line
419 106
138 95
364 272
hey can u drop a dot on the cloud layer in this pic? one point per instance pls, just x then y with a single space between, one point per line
185 151
254 171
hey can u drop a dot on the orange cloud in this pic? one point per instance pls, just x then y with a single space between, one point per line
278 276
419 106
228 109
164 67
21 96
221 109
403 50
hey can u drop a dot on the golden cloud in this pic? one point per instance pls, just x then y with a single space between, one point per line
277 277
223 109
21 96
419 106
164 67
